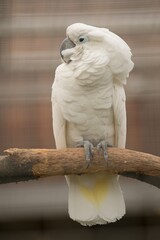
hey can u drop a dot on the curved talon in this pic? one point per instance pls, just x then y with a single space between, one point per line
103 146
88 148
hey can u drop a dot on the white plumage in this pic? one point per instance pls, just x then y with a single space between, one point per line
88 103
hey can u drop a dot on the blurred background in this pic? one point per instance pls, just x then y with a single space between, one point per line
30 35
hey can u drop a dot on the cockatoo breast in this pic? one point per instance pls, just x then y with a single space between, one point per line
86 99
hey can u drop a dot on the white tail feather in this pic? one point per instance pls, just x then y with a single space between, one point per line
95 199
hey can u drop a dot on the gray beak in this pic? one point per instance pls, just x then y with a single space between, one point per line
66 44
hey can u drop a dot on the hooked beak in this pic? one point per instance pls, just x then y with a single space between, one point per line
66 44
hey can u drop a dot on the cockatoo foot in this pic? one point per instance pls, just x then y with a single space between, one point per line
88 148
102 146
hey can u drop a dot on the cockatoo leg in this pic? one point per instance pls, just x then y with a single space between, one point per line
102 146
88 148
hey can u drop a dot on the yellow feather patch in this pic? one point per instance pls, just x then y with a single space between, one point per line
95 193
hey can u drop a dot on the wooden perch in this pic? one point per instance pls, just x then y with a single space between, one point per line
26 164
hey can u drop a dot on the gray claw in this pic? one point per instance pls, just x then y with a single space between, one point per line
88 148
103 146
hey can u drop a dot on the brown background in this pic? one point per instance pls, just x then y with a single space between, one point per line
30 35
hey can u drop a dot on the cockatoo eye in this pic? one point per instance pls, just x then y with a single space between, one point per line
83 39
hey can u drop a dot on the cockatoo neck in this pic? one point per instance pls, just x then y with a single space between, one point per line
89 68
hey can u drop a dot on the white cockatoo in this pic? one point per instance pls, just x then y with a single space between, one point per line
88 105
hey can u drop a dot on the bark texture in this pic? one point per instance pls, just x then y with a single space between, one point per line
27 164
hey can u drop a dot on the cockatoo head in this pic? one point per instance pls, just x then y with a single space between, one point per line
89 48
80 38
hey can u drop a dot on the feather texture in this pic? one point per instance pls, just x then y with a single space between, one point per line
95 199
88 102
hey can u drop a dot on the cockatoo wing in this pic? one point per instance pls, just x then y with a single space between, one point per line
59 123
120 65
119 108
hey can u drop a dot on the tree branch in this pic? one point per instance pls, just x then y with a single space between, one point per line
26 164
